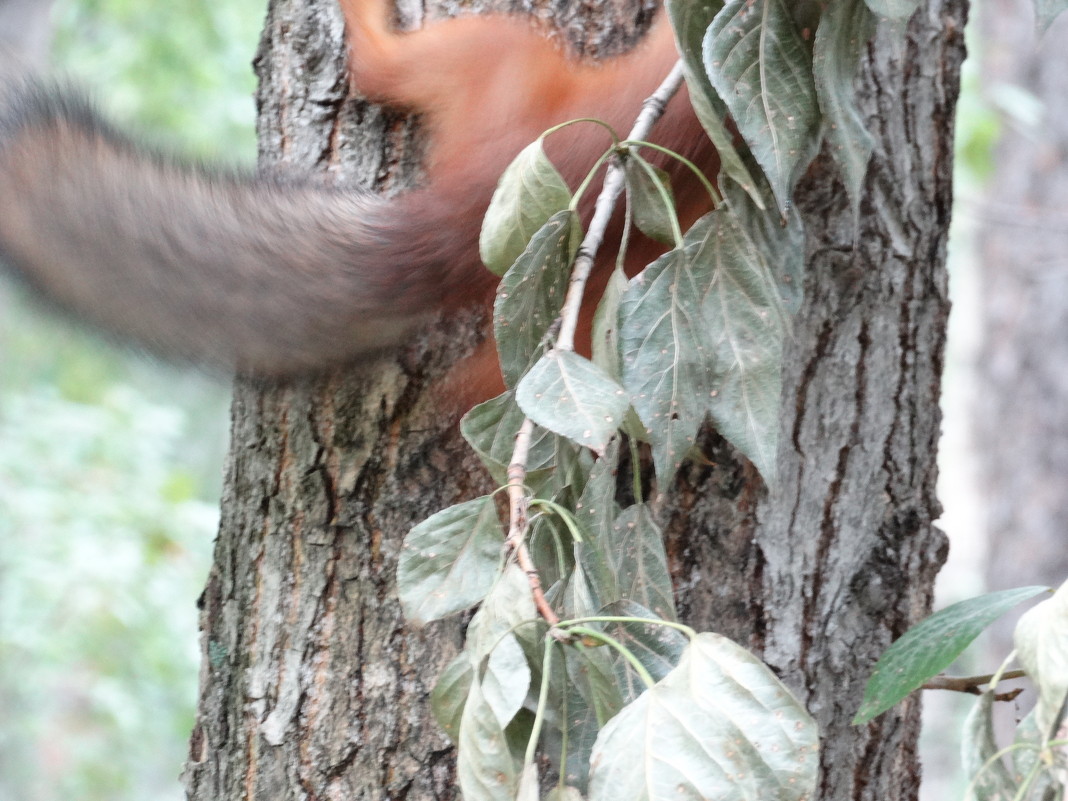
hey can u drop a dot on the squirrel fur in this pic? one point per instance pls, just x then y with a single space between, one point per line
279 277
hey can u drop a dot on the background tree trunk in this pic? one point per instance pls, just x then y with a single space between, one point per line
313 685
1022 409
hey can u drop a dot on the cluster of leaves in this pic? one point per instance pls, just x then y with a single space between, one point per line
622 700
1039 752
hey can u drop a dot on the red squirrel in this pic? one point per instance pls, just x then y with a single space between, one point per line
278 277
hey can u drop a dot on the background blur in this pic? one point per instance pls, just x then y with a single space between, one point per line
110 464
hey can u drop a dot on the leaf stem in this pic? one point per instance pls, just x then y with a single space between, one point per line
578 621
713 193
543 697
620 648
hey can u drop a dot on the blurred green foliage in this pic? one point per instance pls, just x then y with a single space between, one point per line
109 463
178 69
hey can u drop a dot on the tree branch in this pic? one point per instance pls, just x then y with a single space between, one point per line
651 111
972 684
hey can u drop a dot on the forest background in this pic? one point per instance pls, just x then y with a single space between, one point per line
111 464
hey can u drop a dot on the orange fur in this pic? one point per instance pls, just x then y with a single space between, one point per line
272 277
489 85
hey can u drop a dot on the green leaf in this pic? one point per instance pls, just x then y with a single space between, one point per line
531 295
930 647
1041 640
528 194
1046 11
580 723
450 694
652 203
658 648
978 745
774 249
572 396
606 325
899 10
720 725
593 582
666 366
484 764
701 332
591 672
844 30
449 561
506 680
1031 756
490 429
506 606
573 466
761 68
690 21
640 561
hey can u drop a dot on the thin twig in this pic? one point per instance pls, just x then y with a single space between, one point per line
651 111
972 684
518 520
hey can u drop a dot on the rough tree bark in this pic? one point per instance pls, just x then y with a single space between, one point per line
313 686
1022 411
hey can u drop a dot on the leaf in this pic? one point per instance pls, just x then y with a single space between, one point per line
930 647
528 194
844 30
449 561
651 200
759 65
590 671
658 648
551 549
991 782
484 764
528 784
690 21
506 680
594 583
1030 755
720 725
450 694
1046 11
701 332
572 396
666 366
564 794
757 266
490 429
573 467
899 10
640 561
774 248
506 606
580 723
606 325
1041 639
531 295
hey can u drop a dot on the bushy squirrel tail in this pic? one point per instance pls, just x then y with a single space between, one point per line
247 273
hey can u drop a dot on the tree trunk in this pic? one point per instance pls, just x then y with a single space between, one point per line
1022 414
314 686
